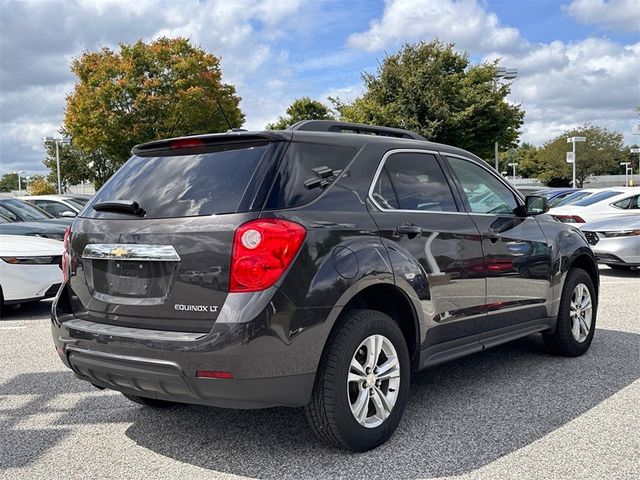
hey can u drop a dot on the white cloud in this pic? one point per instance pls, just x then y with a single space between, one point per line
464 22
613 14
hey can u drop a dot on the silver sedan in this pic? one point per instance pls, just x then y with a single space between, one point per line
615 241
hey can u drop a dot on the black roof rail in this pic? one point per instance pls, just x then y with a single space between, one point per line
345 127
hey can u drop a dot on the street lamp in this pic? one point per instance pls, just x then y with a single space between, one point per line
27 182
514 165
573 140
626 172
58 141
19 183
507 74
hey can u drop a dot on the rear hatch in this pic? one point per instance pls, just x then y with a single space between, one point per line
164 264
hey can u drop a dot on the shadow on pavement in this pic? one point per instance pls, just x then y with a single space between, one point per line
26 311
617 273
460 416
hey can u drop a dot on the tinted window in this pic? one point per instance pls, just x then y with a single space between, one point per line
79 203
486 193
54 208
383 192
183 185
596 197
24 211
297 167
417 182
569 199
630 203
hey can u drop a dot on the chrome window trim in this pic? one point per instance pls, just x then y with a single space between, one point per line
401 210
130 252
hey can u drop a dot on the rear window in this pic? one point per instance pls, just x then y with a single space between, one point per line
297 167
183 185
569 199
595 198
17 210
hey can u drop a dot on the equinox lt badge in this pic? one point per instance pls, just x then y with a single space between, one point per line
196 308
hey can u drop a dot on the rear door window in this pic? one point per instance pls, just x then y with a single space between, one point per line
183 185
416 182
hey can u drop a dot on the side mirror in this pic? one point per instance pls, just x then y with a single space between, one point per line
68 214
535 205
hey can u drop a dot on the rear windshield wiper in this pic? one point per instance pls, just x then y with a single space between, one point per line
325 176
120 206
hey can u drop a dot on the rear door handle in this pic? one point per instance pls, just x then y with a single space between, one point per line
408 229
492 236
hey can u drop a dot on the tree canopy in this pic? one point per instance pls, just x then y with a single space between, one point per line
302 109
8 182
433 90
143 92
599 155
40 186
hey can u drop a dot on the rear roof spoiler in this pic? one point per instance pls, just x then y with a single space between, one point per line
235 137
359 128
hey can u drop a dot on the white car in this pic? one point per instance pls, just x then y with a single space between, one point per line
58 205
29 268
615 241
612 202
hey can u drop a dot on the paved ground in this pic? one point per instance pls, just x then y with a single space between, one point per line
511 412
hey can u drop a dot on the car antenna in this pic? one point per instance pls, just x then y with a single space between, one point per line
223 114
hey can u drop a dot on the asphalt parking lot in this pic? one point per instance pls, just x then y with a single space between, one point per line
511 412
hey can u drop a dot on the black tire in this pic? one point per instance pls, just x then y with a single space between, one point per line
150 402
329 412
562 341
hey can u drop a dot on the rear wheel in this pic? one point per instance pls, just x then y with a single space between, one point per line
576 316
150 402
362 384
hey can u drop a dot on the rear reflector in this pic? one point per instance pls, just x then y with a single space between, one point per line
185 143
213 374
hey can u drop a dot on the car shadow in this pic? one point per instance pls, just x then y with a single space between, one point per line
27 311
460 416
613 273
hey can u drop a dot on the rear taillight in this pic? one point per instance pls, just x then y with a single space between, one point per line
64 265
262 251
185 143
570 218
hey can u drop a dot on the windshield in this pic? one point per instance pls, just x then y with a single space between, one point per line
575 196
25 211
183 185
79 203
595 198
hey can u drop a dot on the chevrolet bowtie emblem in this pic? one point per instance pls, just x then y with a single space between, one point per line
119 251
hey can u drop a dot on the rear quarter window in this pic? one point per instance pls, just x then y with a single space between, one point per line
297 166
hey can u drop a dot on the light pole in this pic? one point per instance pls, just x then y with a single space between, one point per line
573 140
514 165
507 74
58 141
19 182
27 182
626 173
635 150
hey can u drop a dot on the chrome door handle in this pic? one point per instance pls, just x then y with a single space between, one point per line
491 236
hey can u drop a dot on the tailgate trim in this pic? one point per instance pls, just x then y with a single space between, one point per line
130 251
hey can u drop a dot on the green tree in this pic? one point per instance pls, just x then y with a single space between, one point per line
525 155
435 91
302 109
8 182
143 92
599 155
40 186
74 166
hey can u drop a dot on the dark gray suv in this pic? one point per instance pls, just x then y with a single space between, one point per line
316 267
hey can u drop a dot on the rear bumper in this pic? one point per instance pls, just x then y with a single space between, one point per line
167 381
272 356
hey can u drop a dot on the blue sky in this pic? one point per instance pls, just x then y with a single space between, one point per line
578 60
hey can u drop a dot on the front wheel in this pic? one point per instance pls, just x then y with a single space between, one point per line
362 384
576 316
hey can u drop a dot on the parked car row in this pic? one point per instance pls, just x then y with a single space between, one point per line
609 218
32 229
